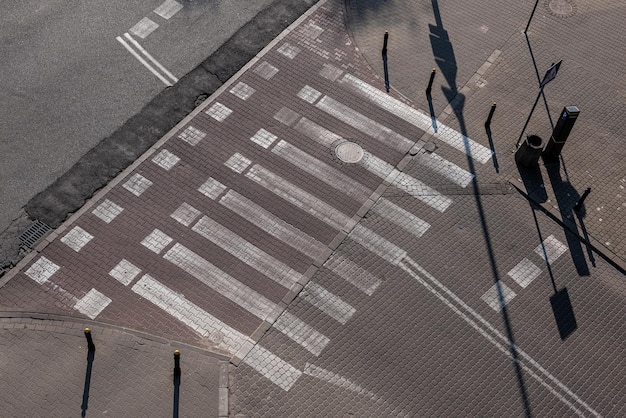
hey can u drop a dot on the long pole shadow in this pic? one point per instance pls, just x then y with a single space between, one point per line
445 59
177 373
561 304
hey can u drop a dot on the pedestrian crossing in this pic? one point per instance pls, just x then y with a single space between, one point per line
334 166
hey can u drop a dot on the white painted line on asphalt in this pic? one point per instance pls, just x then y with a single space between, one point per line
403 218
327 302
524 272
168 9
107 210
185 214
417 118
143 61
494 300
166 160
445 168
364 124
354 274
247 252
92 304
322 171
77 238
202 322
242 90
151 58
273 225
337 380
302 333
263 138
550 249
156 241
377 244
238 163
221 282
212 188
300 198
277 370
192 135
125 272
41 270
412 268
137 184
143 28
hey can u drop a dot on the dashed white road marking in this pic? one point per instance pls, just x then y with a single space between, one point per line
221 282
166 160
125 272
76 238
203 323
168 8
445 168
364 124
107 210
524 272
277 370
137 184
300 198
41 270
192 135
551 249
273 225
327 302
143 28
92 304
498 296
302 333
337 380
247 252
401 217
322 171
353 274
156 241
417 118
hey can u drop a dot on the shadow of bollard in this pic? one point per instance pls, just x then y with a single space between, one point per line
91 355
563 313
177 374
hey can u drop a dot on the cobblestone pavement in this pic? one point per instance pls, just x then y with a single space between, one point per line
48 372
350 254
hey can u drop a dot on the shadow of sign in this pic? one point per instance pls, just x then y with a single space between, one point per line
563 313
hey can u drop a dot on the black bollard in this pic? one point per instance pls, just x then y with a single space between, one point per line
176 363
580 202
90 344
430 82
491 112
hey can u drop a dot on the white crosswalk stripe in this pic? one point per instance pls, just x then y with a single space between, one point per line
332 305
353 273
400 217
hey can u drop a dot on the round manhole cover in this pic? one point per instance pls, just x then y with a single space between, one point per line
349 152
561 8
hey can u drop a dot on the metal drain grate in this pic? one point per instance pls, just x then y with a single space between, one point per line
34 233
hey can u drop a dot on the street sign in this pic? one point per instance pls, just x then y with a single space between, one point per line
550 74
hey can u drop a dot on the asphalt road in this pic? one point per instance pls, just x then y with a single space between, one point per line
67 82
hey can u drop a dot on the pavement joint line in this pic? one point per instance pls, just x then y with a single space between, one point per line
598 247
64 323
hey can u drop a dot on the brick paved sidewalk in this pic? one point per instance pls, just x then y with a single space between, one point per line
459 45
48 372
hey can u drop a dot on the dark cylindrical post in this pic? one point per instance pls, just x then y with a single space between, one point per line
561 131
90 344
430 82
580 202
491 112
385 40
176 363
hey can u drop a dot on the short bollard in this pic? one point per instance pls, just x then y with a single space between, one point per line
90 344
578 206
176 363
430 82
385 65
491 112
